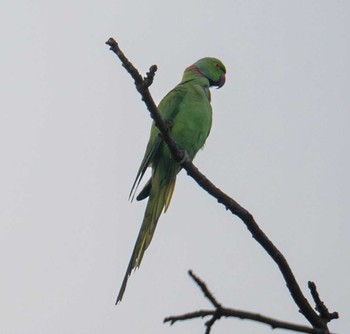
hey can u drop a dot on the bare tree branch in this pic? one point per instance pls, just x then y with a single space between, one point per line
221 311
321 308
230 204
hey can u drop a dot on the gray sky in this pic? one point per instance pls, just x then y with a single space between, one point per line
73 131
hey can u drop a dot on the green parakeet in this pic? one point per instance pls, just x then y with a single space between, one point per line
188 112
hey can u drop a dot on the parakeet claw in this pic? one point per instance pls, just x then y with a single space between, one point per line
169 123
185 157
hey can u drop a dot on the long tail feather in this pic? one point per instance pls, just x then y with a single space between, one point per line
158 200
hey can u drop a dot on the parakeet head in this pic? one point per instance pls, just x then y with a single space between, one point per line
213 69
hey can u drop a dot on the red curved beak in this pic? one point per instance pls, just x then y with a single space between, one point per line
221 81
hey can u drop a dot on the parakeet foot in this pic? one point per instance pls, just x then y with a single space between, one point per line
184 158
169 123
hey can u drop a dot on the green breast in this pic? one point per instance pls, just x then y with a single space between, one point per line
193 121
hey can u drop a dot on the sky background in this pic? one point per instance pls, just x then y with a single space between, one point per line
73 131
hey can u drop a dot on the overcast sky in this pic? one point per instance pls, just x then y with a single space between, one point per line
73 131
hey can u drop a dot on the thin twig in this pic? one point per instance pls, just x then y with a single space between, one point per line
205 290
320 306
210 323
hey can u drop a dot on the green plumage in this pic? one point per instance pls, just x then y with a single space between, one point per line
188 110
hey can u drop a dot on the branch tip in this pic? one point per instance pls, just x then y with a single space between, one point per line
320 306
205 290
148 80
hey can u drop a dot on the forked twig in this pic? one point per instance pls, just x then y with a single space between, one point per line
219 311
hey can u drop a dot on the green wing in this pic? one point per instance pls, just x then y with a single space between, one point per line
168 108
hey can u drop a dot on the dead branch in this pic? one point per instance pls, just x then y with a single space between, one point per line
219 311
